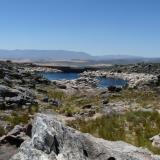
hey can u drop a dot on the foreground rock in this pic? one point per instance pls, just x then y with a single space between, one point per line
9 143
156 141
51 140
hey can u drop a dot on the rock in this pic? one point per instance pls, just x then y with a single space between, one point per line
91 112
51 140
46 99
88 106
8 92
156 141
158 83
115 108
61 86
15 137
114 89
41 80
19 100
55 103
7 151
29 130
16 130
106 101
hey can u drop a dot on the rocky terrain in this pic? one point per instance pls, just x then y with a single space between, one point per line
147 68
51 140
24 92
133 79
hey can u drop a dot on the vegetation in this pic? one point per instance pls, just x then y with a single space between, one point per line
2 131
71 104
133 127
16 119
56 94
145 98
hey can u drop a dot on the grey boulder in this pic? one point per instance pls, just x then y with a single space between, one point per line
51 140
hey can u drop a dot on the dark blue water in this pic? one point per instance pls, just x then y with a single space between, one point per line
103 82
60 75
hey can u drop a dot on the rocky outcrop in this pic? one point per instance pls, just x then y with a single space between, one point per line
17 83
51 140
15 137
133 79
76 84
15 97
148 68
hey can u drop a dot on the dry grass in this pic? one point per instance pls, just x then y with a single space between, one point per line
133 127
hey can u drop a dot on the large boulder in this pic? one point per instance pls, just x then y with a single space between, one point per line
10 98
51 140
8 92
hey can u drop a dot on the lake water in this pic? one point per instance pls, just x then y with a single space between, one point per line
104 82
60 75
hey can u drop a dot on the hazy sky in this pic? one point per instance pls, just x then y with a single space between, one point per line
94 26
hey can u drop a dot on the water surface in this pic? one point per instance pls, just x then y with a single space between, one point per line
60 75
103 82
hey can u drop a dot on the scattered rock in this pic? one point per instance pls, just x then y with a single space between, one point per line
88 106
106 101
46 99
114 89
156 141
55 103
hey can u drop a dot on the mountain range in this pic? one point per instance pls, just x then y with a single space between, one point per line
64 55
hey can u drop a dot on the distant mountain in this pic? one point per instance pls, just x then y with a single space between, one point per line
63 55
43 55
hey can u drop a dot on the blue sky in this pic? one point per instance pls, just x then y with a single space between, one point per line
95 26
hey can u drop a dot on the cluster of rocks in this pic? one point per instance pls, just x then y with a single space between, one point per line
148 68
52 140
87 111
43 69
133 79
11 98
18 74
52 102
16 85
77 84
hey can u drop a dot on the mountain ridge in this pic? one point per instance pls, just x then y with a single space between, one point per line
66 55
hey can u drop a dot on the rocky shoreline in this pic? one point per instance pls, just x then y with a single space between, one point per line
133 79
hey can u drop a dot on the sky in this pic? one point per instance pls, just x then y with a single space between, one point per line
98 27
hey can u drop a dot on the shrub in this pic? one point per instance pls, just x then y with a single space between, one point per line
16 119
2 131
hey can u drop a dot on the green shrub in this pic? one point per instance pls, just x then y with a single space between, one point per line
2 131
16 119
56 94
